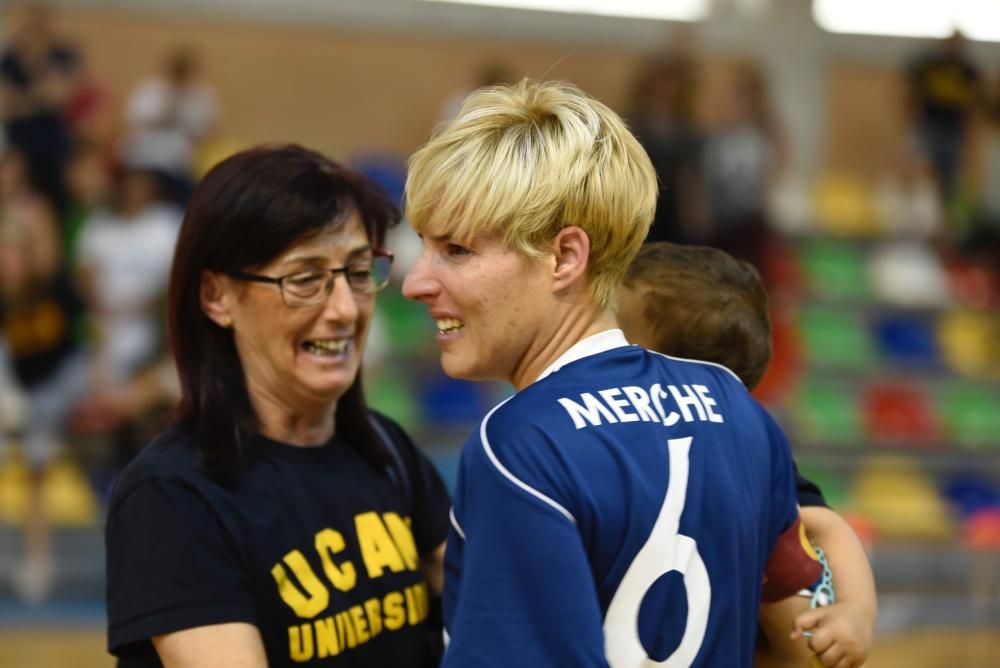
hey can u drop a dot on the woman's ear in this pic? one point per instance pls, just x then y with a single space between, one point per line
216 296
571 250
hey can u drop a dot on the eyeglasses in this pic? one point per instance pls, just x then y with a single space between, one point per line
312 287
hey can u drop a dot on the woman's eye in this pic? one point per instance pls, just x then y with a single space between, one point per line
305 280
455 250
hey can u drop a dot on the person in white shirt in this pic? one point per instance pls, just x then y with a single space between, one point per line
167 115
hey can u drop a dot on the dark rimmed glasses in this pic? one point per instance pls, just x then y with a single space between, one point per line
313 286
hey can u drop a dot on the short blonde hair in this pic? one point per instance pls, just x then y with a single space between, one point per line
526 160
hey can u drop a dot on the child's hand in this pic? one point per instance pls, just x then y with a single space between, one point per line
841 634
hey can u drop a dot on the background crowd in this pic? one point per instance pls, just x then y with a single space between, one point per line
884 287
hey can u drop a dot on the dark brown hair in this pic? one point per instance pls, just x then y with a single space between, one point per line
702 303
247 210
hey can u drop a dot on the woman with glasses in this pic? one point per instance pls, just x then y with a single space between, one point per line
277 521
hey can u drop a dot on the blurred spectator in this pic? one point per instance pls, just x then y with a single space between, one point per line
985 236
11 397
89 112
743 155
167 115
88 180
124 257
27 212
38 311
944 89
36 73
662 118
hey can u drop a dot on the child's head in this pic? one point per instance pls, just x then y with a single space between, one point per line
698 303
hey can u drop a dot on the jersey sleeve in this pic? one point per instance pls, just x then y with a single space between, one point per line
792 564
169 565
808 492
519 588
430 499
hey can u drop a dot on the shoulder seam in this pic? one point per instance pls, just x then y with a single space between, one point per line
693 361
510 476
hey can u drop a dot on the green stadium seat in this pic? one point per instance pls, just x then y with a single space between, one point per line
835 338
971 415
835 270
831 483
825 414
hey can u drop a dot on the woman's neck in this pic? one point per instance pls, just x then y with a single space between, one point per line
302 428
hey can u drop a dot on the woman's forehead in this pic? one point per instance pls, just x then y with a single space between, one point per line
342 238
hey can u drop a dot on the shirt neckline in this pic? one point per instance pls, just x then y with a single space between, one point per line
263 445
594 344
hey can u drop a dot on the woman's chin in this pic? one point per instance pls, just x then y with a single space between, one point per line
331 391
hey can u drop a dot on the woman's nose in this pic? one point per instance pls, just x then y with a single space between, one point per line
418 284
341 303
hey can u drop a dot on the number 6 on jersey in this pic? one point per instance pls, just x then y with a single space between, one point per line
664 551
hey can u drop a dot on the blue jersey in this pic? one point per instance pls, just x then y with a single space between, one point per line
622 508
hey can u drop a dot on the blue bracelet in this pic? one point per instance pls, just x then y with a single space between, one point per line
824 593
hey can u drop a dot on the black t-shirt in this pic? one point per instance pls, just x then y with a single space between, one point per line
945 90
314 546
39 330
808 492
674 152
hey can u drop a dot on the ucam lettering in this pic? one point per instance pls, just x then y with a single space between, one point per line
360 623
633 404
386 545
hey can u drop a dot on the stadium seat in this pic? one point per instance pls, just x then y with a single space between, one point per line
969 343
782 270
835 338
835 270
898 497
67 497
829 481
971 284
786 359
982 530
906 340
845 205
826 414
909 274
14 486
900 413
970 493
970 414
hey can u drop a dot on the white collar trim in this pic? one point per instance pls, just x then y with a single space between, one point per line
601 342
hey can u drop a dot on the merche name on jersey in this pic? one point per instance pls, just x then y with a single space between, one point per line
666 404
